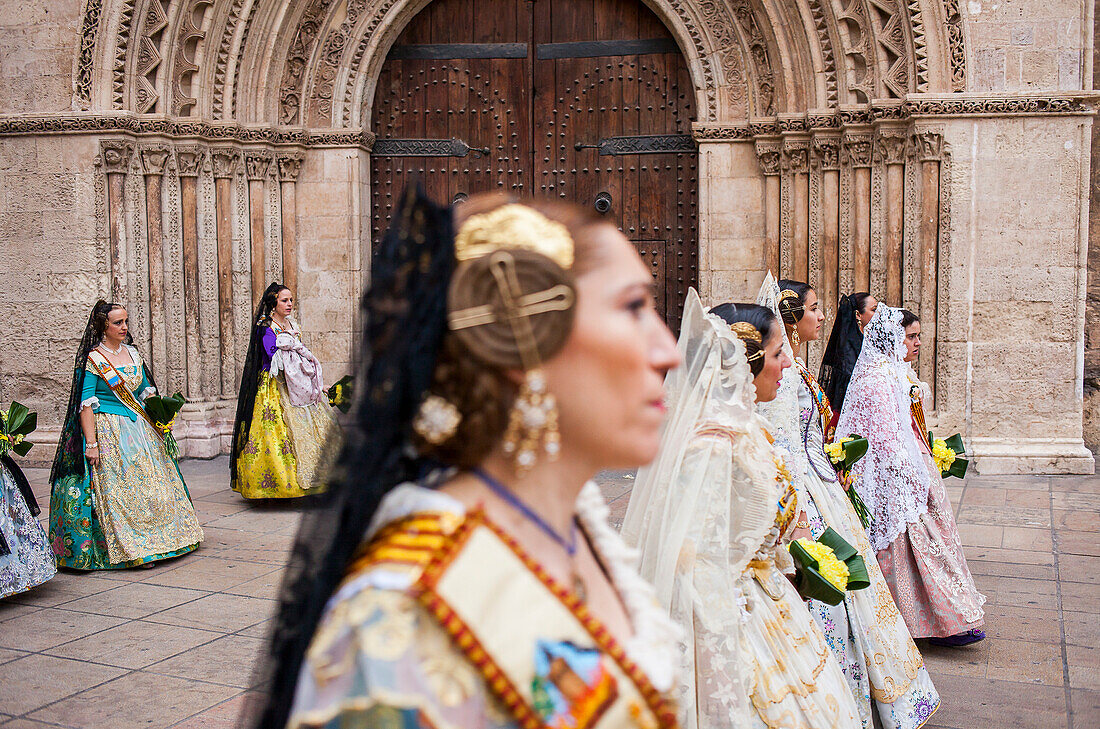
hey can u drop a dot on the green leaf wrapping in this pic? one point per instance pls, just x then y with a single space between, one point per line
853 451
860 508
339 395
162 410
958 468
22 448
811 584
846 553
955 443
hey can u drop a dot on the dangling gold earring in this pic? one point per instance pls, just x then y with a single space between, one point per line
795 339
533 423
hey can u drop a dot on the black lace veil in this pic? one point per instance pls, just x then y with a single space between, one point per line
250 378
404 318
841 352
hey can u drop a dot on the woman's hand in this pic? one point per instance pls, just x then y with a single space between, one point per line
801 527
845 479
92 454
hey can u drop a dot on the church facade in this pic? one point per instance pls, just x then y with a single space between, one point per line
178 155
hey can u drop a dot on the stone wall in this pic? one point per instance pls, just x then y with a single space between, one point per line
1092 310
38 42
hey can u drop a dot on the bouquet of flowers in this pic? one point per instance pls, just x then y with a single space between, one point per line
339 395
844 453
946 455
828 567
16 423
162 411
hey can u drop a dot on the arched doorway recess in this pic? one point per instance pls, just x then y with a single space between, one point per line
588 102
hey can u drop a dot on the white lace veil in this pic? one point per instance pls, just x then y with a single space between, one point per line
782 412
892 478
700 511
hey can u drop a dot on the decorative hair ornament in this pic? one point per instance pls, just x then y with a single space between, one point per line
748 333
787 294
436 420
499 234
514 226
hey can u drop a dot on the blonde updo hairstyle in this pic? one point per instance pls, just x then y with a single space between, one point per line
472 370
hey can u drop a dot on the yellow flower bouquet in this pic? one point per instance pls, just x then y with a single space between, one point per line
162 411
16 423
339 395
945 452
828 567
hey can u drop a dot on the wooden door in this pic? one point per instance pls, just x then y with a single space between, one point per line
587 101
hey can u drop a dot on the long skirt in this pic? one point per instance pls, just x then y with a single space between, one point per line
25 557
797 681
285 444
131 508
883 667
928 574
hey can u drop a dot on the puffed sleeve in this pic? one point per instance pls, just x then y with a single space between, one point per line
145 389
87 392
378 659
269 341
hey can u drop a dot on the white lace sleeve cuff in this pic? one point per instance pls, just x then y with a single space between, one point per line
92 402
147 393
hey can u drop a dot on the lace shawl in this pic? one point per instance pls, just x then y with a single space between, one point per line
700 513
892 478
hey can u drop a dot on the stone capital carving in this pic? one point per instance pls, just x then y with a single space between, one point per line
289 167
189 160
116 156
826 152
928 145
153 161
890 146
769 151
856 148
256 165
796 156
225 161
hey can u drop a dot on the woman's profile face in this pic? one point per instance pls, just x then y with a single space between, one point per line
608 379
775 361
869 307
284 304
809 326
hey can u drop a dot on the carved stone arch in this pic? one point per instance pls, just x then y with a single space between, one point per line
795 51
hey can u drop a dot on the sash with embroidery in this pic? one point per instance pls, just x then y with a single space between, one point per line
542 654
114 380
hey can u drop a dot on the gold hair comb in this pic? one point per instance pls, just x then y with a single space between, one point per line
514 226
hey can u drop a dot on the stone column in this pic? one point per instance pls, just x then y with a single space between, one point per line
890 146
796 150
256 166
768 152
929 147
116 162
152 165
826 148
225 162
189 160
289 167
857 154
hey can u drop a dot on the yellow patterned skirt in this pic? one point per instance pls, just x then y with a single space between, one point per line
285 444
140 499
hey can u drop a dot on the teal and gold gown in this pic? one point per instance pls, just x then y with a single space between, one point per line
133 506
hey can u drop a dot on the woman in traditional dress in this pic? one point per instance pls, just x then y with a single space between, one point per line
845 341
711 517
866 632
26 559
283 415
913 530
470 575
117 499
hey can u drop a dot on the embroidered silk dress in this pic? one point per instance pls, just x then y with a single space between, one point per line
444 622
285 441
26 559
711 517
914 532
132 507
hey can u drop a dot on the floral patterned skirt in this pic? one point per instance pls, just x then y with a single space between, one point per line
928 574
25 557
285 444
132 508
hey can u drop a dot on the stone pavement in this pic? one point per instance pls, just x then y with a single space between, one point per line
173 646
